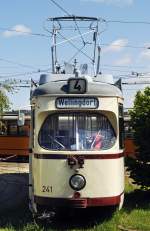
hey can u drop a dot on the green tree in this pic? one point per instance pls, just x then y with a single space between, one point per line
4 102
140 122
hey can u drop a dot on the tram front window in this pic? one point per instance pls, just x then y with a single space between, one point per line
77 131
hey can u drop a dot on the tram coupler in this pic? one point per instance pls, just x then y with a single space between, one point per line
72 161
81 161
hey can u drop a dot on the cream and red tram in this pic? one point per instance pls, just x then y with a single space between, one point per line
76 157
77 154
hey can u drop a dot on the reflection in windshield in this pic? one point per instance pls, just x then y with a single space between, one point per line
77 132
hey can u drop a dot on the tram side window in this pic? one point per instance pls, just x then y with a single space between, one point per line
8 127
3 128
128 130
77 131
12 129
23 131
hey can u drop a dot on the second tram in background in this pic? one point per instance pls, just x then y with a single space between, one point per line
14 137
129 144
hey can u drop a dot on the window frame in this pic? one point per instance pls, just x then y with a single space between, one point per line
71 113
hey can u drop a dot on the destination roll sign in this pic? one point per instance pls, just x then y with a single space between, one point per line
77 103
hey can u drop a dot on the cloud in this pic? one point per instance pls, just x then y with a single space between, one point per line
145 55
116 46
125 60
113 2
17 30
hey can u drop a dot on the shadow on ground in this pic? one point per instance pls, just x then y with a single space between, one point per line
13 190
82 218
137 199
21 219
14 210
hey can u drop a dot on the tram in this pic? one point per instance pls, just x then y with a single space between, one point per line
14 137
76 145
129 142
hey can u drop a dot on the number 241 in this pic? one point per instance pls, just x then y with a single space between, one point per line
47 189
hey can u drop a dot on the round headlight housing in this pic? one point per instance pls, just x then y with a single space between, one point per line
77 182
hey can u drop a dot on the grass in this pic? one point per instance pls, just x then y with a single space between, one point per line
133 217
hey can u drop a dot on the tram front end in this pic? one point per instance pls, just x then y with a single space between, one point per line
76 158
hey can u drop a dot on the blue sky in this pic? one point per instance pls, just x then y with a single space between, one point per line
34 51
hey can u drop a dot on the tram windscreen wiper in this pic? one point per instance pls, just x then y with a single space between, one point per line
56 141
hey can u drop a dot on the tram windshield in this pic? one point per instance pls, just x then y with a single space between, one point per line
77 131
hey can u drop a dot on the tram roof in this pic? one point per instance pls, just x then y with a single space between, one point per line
13 115
102 85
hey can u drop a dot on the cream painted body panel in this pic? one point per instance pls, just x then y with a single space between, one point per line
104 178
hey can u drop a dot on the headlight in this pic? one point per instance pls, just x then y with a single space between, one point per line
77 182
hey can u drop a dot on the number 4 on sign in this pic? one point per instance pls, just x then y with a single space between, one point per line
77 86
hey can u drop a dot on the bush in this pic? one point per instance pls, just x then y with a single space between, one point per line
140 120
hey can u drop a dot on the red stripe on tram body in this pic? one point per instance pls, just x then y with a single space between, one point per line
85 156
78 203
